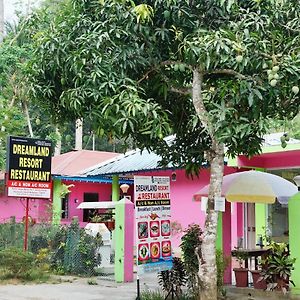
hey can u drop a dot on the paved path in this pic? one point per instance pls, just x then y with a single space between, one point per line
79 289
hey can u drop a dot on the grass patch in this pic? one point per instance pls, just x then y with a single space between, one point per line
92 281
152 295
157 295
34 275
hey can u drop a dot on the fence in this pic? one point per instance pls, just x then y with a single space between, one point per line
70 249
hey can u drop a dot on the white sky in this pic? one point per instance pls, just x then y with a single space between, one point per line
10 6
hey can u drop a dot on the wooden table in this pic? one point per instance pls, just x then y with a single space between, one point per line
251 253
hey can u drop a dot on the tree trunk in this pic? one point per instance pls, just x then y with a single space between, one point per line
207 267
78 135
207 258
57 149
26 112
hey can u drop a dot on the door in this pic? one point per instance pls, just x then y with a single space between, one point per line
251 242
88 213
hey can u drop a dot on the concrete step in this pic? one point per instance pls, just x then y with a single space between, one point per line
234 293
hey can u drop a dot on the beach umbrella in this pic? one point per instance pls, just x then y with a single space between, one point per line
253 187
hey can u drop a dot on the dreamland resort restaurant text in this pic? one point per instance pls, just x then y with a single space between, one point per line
30 163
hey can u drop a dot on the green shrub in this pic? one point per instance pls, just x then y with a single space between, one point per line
156 295
190 245
222 263
35 274
152 295
16 261
174 279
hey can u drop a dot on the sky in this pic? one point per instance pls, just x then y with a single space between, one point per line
11 5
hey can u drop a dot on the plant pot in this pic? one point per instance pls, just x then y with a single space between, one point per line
110 225
282 284
258 284
241 277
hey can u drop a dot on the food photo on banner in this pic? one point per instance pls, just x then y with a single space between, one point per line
153 219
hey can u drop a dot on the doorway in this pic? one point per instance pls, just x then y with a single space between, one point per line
89 213
250 225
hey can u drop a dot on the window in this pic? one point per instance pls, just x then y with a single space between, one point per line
278 222
88 213
65 207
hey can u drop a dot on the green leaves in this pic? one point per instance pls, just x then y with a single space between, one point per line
129 66
143 12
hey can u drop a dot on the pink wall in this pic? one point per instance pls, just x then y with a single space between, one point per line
283 159
184 210
227 217
76 196
11 206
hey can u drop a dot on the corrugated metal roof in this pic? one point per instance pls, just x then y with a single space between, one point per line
102 179
130 162
75 162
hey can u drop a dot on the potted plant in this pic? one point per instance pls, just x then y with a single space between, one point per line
241 273
104 218
277 266
258 282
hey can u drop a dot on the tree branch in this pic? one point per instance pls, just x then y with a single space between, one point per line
175 62
145 76
227 72
161 64
198 102
182 91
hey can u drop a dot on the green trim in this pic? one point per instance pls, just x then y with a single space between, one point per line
119 237
56 203
260 220
294 229
219 240
115 188
278 148
232 162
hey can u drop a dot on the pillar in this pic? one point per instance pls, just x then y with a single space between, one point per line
260 217
294 244
260 220
115 188
56 202
219 240
124 230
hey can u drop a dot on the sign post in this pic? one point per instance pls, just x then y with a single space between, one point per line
28 171
26 225
152 223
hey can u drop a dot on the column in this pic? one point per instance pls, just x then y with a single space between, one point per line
115 188
294 230
260 220
56 202
124 214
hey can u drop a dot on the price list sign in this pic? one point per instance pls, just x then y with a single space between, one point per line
153 223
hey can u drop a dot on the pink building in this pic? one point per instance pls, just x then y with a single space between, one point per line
66 169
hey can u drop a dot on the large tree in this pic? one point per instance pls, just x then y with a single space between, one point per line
212 72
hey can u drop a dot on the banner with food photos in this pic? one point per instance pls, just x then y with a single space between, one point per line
153 223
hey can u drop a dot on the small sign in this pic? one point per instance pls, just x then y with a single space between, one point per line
153 223
219 204
204 201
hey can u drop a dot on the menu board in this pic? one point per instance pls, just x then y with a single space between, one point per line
153 223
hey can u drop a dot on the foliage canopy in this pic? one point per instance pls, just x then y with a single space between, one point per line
128 67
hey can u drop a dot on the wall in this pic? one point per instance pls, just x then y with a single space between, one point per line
11 206
184 210
76 197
